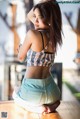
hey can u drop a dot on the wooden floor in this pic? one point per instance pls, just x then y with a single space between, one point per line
66 110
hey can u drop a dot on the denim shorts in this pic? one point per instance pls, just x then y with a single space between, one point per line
37 92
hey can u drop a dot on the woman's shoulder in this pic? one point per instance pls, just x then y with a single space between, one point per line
33 32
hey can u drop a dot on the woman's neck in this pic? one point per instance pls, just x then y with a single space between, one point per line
44 30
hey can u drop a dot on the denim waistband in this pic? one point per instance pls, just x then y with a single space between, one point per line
39 82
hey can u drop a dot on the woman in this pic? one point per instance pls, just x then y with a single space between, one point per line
38 92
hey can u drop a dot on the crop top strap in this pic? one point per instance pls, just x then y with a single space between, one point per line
42 39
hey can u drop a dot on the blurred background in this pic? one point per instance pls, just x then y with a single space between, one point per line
13 27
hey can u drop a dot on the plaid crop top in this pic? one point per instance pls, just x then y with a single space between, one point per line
41 58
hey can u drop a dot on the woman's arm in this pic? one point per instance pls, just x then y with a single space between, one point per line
23 49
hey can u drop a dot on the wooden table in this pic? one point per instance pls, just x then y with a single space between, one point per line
66 110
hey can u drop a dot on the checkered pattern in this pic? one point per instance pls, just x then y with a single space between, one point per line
39 58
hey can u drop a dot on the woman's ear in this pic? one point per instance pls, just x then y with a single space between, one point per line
48 24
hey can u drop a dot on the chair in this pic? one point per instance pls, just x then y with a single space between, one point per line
56 71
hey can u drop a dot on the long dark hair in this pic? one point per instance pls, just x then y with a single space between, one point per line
52 14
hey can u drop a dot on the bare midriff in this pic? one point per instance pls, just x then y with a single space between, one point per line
37 72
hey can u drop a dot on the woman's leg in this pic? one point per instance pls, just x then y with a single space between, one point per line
51 107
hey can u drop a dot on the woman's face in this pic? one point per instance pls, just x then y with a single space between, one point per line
39 22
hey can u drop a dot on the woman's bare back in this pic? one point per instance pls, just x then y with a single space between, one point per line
39 72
